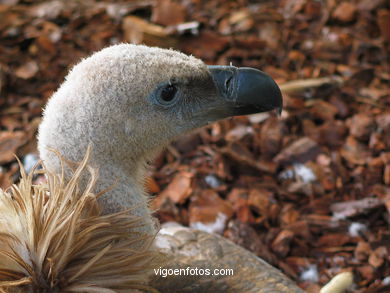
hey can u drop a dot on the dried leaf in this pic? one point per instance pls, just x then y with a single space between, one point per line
168 12
9 144
180 187
301 150
355 207
345 12
27 70
206 207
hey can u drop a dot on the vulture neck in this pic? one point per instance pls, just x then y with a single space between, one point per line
125 184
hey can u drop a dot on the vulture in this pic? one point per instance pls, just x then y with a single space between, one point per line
113 114
127 102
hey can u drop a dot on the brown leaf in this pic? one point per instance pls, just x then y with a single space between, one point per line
9 144
245 236
5 179
355 207
207 206
369 5
242 155
362 125
332 240
238 197
301 150
376 142
167 210
244 214
367 272
354 152
281 244
139 31
384 23
180 187
299 228
362 251
341 106
378 256
168 12
27 70
271 34
288 215
205 45
10 123
332 133
386 174
385 133
260 199
271 136
238 21
313 9
324 110
345 12
46 44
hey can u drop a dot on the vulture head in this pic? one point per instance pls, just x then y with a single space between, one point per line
129 101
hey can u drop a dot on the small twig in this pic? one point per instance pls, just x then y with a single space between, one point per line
296 86
303 84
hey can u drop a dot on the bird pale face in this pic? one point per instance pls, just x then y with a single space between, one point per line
188 95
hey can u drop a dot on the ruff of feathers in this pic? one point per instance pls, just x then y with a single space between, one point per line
53 238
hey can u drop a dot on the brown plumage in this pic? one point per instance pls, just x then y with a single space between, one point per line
61 242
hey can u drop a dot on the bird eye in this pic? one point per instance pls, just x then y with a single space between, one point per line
168 93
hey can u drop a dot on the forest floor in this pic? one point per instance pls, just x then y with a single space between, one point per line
309 191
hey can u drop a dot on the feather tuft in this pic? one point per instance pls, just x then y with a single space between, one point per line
53 238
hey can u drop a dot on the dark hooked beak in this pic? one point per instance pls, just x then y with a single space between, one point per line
246 90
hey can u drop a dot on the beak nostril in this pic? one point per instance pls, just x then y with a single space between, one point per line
228 81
